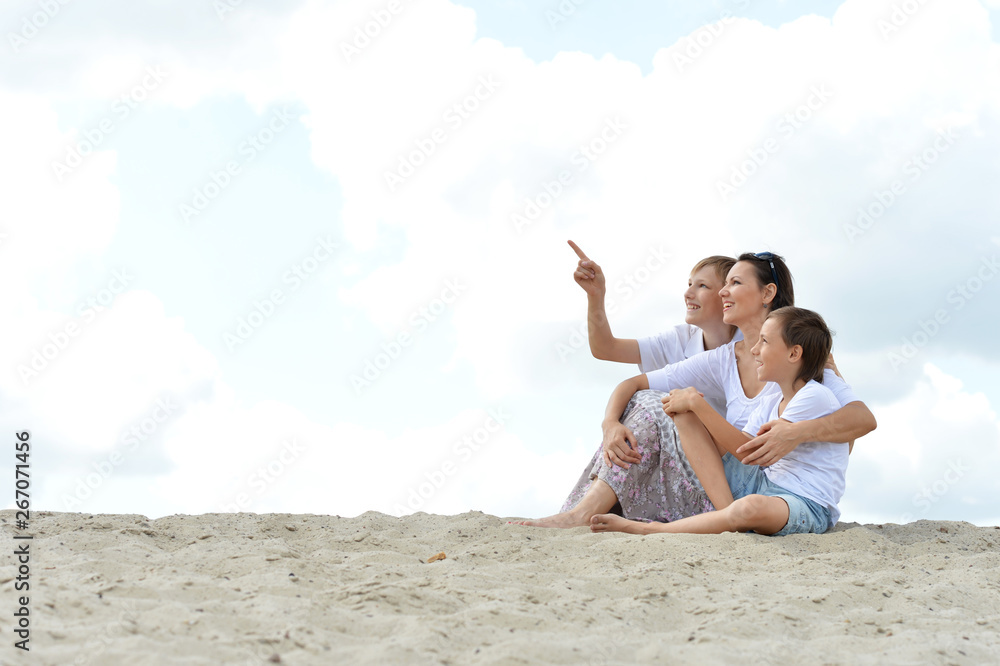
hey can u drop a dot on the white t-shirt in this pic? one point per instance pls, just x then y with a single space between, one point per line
815 470
673 346
715 374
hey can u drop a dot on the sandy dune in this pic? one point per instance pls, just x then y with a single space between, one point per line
306 589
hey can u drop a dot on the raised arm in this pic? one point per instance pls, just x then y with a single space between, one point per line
603 344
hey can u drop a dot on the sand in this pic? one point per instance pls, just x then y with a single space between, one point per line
307 589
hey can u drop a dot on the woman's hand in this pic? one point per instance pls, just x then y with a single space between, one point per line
620 446
681 400
774 441
830 363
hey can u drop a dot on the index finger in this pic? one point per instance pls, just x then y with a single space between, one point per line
579 252
753 456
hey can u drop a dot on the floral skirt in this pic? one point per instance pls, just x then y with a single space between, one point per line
662 487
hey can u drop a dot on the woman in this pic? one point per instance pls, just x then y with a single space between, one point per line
641 466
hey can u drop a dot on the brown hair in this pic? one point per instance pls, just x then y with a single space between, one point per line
722 265
808 330
785 295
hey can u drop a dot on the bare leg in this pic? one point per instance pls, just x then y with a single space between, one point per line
762 514
599 499
705 458
609 522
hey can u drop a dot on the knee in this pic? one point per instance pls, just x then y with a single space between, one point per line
747 511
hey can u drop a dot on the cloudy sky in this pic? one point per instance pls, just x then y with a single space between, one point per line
311 256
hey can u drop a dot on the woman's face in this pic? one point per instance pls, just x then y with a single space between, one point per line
742 296
704 306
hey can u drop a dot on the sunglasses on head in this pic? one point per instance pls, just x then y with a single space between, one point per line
769 258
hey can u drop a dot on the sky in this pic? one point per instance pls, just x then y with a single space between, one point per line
311 257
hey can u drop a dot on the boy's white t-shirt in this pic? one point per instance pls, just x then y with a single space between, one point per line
673 346
716 375
815 470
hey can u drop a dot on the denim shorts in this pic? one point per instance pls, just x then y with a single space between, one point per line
804 515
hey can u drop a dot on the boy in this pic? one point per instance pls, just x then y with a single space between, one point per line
800 492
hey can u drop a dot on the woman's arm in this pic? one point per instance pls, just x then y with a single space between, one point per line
619 444
702 371
778 438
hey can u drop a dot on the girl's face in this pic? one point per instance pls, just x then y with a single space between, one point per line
771 353
704 306
742 295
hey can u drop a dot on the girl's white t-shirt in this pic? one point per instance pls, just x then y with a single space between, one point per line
816 470
715 374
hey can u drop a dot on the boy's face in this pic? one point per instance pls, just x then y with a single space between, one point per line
704 305
774 357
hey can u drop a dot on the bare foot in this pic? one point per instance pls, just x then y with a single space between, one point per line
564 520
609 522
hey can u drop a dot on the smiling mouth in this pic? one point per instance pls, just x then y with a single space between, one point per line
727 305
692 306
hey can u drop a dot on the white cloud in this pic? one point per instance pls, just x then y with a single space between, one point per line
658 181
932 457
47 223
